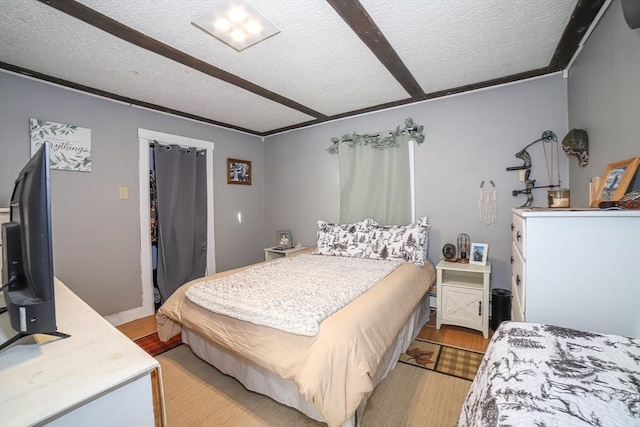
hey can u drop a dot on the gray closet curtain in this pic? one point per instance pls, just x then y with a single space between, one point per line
182 216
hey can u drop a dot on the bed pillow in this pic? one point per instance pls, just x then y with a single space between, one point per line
409 243
343 239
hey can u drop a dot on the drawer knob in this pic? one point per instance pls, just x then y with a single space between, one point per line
512 227
479 308
518 236
511 259
517 280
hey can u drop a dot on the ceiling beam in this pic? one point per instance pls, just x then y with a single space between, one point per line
583 15
355 15
115 28
432 95
115 97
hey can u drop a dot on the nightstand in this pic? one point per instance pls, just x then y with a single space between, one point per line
273 253
463 295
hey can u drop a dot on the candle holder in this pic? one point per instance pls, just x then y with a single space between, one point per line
464 244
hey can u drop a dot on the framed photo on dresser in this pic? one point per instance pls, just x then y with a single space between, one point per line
615 181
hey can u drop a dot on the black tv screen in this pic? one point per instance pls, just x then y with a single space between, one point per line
27 252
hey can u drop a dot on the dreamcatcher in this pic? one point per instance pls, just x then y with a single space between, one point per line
488 204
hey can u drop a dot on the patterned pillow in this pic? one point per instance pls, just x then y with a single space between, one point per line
409 243
343 239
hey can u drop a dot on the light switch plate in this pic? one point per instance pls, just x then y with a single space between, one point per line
124 193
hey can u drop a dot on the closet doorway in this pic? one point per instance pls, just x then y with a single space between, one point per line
146 138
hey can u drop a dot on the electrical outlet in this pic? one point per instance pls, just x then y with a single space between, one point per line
521 175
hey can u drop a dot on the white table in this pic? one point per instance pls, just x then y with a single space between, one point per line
272 253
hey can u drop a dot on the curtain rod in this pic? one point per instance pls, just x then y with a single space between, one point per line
378 141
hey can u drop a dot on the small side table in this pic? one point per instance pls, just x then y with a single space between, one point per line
273 253
463 295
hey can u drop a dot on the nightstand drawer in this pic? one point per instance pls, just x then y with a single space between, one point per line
518 229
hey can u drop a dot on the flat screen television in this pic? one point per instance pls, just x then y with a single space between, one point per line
27 276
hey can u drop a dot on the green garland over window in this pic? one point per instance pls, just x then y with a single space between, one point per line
411 131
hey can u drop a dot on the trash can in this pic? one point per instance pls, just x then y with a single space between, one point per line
500 307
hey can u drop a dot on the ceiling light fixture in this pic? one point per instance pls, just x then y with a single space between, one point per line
236 23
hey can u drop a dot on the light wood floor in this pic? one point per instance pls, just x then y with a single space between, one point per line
454 336
139 328
450 335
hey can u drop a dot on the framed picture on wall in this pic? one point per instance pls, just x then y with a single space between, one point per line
479 253
615 181
238 172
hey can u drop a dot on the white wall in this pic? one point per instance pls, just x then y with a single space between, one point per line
604 98
470 138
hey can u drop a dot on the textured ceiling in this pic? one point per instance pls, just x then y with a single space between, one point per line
331 59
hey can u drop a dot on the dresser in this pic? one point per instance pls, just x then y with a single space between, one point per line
96 377
577 268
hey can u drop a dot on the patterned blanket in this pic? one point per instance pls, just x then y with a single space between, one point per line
542 375
291 294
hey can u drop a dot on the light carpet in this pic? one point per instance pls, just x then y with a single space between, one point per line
196 394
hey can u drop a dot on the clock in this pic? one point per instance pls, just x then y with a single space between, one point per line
449 252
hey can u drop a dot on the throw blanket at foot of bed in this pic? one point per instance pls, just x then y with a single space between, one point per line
292 294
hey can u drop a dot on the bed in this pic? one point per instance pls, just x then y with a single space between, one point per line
328 375
543 375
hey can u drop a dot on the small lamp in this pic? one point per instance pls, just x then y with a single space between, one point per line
464 244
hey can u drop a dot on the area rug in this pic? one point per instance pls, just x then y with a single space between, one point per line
457 362
197 394
152 344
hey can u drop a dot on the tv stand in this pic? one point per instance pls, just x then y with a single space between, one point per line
21 335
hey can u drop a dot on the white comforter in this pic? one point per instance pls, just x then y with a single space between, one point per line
291 294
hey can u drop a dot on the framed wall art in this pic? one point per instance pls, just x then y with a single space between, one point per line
615 181
70 145
238 172
479 253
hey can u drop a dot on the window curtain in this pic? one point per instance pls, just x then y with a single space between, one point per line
181 192
375 183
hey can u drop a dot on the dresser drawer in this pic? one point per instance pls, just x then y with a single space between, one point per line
518 278
517 313
518 229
